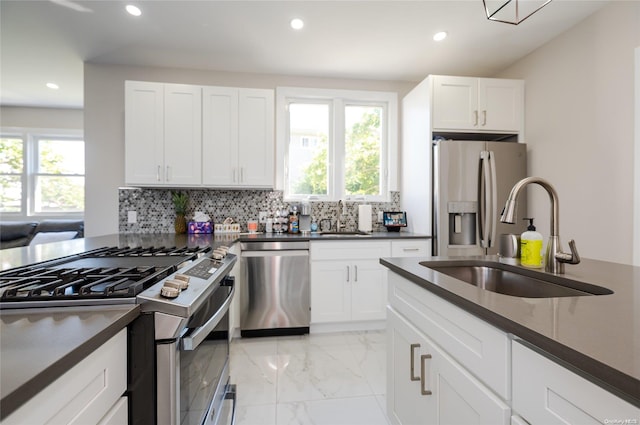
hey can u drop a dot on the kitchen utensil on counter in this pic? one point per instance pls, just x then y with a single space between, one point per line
509 245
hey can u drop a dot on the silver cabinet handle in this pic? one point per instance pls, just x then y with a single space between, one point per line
484 119
241 174
167 174
413 369
410 249
356 273
158 173
475 113
347 273
234 175
423 381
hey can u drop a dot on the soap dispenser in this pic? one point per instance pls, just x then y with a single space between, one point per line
531 246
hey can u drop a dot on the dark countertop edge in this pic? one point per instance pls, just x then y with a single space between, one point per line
279 237
614 381
11 402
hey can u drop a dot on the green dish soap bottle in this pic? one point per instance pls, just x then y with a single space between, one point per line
531 246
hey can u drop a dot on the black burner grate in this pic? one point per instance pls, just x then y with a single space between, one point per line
104 273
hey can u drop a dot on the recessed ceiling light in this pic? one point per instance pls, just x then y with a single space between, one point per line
439 36
133 10
297 23
53 86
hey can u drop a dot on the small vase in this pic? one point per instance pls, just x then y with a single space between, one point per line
180 224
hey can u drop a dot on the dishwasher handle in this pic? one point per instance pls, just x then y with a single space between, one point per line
297 253
275 246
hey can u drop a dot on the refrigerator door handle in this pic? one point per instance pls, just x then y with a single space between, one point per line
494 199
484 220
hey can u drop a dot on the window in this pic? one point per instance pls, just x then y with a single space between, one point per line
336 144
41 174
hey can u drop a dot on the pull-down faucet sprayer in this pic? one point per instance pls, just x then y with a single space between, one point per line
554 257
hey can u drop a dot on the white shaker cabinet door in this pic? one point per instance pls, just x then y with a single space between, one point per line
256 138
330 291
368 290
500 104
144 133
220 136
182 134
455 103
434 389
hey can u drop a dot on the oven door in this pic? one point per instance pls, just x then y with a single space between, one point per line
197 372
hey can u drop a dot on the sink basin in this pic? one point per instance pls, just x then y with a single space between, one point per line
358 233
515 281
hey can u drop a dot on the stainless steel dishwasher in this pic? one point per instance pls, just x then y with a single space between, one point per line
275 292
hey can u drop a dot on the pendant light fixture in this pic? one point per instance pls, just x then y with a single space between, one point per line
512 11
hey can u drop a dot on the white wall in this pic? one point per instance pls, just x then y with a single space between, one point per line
580 130
49 118
104 123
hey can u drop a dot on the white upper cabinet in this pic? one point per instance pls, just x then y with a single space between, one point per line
220 135
192 136
477 104
238 141
163 134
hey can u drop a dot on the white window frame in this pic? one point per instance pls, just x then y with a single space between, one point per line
30 138
337 100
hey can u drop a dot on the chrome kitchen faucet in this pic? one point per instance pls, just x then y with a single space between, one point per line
554 257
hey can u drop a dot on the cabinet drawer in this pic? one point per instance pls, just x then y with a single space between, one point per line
85 393
476 345
349 250
411 248
546 393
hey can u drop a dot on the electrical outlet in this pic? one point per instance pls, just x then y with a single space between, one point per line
262 216
379 216
132 217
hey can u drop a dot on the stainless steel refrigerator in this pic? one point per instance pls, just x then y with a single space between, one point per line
471 182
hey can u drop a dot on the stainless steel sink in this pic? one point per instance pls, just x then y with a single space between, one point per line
512 280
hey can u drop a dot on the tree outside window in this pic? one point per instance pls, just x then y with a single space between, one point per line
41 175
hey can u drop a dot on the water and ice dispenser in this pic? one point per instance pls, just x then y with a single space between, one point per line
462 222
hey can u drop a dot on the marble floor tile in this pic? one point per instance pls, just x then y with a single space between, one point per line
336 378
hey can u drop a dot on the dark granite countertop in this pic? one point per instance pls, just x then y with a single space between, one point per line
39 345
16 257
596 336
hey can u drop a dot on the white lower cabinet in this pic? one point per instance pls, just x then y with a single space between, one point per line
546 393
477 374
89 393
427 386
347 281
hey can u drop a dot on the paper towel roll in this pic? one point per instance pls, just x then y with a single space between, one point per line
364 218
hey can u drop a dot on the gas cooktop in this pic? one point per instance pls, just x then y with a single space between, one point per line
103 276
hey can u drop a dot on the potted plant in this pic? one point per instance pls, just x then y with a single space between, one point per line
180 201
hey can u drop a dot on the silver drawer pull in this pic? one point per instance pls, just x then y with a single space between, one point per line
411 249
413 377
423 381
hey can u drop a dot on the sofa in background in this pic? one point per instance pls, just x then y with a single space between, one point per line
22 233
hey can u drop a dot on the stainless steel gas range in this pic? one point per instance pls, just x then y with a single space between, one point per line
184 295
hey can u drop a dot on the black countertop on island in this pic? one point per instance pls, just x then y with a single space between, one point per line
38 345
596 336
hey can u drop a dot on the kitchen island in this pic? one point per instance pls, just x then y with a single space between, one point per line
52 339
596 337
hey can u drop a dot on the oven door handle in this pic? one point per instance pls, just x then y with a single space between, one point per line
196 337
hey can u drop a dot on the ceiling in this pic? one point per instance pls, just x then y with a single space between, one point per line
44 41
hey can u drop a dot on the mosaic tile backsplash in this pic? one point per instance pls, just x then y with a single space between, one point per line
155 211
